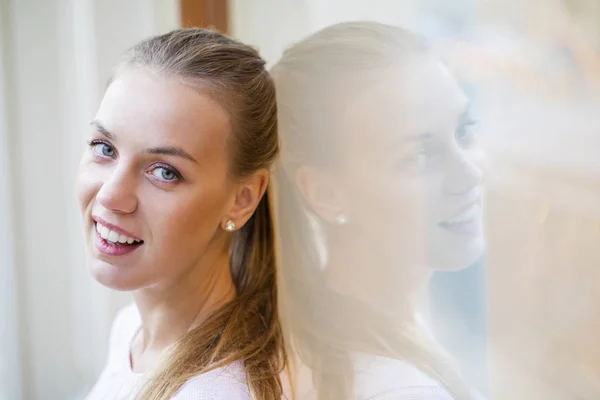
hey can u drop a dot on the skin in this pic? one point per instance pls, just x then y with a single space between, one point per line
176 201
409 161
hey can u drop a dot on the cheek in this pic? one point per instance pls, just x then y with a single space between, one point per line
183 219
87 184
395 203
409 212
398 212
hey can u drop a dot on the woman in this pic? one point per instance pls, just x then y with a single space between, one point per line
172 193
380 172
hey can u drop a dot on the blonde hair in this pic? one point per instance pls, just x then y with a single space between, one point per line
247 328
309 78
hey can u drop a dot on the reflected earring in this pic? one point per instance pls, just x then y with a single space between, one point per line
341 219
229 226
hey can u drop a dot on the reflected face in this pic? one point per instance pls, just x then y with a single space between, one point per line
153 184
411 169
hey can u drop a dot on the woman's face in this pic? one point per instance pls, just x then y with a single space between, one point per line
410 171
155 176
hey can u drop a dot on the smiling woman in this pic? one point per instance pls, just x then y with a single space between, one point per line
172 190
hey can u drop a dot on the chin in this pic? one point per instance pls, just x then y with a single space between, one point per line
457 255
113 277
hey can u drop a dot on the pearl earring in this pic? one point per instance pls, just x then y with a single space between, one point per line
230 226
341 219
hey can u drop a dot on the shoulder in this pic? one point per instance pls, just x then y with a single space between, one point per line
382 378
225 383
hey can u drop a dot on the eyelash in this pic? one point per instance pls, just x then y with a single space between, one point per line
166 167
415 162
95 142
178 177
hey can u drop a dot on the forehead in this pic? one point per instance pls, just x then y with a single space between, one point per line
420 97
141 102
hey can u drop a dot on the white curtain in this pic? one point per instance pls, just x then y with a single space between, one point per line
55 57
9 362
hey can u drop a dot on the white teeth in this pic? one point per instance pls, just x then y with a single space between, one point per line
112 236
469 214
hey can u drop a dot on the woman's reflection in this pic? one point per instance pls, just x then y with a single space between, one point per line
379 183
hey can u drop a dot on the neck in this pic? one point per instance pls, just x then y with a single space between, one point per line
393 286
170 311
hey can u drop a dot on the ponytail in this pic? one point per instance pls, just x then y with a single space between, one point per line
254 274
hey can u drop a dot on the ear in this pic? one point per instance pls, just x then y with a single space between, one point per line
247 197
321 192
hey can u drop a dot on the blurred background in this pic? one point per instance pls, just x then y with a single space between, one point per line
524 323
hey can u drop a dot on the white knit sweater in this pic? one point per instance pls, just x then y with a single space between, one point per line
119 382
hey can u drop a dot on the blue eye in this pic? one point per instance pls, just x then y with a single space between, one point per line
102 149
416 161
165 174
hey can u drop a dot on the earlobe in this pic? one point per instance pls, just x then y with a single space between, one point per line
321 194
247 197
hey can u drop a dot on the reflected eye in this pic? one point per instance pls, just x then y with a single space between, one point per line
102 149
165 173
465 135
415 161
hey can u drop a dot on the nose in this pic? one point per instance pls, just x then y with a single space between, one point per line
118 192
464 173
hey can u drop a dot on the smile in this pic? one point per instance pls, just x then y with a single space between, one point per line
113 243
467 222
113 236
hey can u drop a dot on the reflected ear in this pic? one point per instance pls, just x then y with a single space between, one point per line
321 193
247 197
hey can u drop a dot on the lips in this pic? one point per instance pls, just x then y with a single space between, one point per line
113 240
467 221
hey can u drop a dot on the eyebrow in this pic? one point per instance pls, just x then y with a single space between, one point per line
100 128
171 151
168 151
421 137
400 142
464 117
